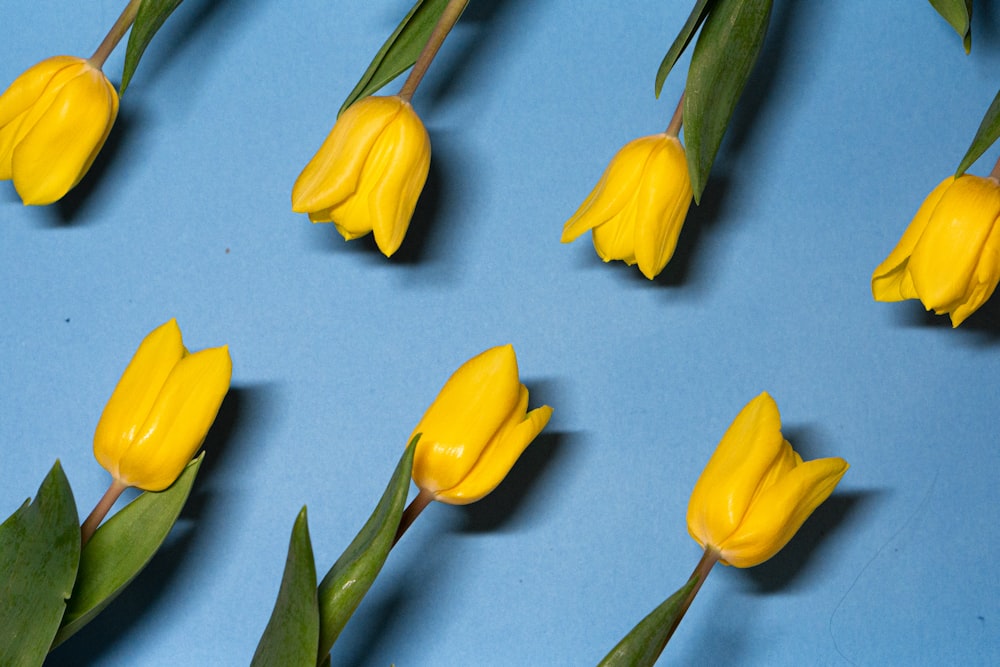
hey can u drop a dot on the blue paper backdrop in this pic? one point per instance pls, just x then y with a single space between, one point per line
854 113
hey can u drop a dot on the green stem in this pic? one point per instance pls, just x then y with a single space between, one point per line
995 174
411 512
100 511
675 123
118 30
708 559
449 17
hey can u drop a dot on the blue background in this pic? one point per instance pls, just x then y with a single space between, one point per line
855 111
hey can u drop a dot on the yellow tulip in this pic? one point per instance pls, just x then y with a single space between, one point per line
54 120
637 209
476 429
161 410
756 492
949 256
368 174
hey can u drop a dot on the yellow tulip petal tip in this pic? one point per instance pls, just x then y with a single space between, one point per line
756 491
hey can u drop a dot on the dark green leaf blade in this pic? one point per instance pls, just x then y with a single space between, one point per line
400 51
39 553
730 41
958 13
680 43
152 14
352 575
292 633
121 548
986 135
644 643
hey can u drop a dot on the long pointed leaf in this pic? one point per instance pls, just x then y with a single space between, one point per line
352 575
400 51
730 41
986 135
152 14
121 548
680 43
958 13
644 643
292 633
39 553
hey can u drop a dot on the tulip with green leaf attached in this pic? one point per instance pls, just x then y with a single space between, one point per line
158 415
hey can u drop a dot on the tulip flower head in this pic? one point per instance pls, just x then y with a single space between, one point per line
637 209
161 410
368 174
476 429
54 120
756 492
949 256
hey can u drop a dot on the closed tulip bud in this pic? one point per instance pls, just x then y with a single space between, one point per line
161 410
54 120
476 429
368 174
756 492
637 209
949 256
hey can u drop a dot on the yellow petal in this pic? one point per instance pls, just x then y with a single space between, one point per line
946 259
28 87
614 190
60 143
179 420
333 173
779 511
135 394
17 101
390 184
473 404
663 198
786 461
891 280
750 448
351 216
984 280
615 239
406 149
494 464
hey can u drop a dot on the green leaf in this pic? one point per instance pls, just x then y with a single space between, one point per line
400 51
986 135
644 644
149 19
39 553
680 43
352 575
959 14
120 549
727 49
292 634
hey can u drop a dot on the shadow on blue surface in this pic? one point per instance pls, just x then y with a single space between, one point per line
468 59
509 505
783 571
985 321
396 598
